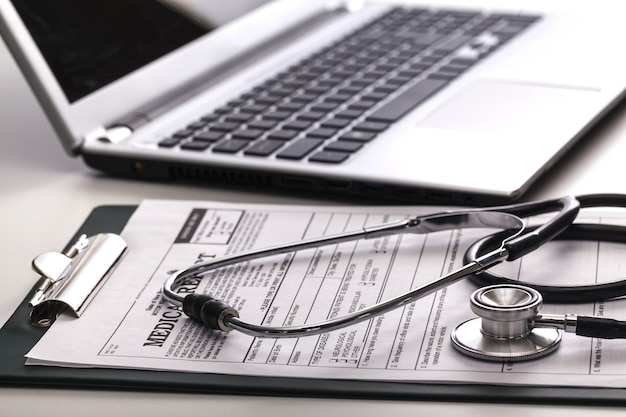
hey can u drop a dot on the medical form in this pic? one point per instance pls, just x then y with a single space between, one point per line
128 325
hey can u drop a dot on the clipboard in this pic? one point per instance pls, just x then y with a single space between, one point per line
18 336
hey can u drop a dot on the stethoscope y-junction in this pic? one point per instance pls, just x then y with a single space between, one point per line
510 326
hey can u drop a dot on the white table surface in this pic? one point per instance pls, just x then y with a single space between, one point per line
45 196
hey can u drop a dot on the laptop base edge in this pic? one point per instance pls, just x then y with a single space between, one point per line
220 176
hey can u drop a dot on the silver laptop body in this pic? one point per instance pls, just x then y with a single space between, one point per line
482 137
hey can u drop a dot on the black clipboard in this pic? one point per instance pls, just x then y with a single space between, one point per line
17 337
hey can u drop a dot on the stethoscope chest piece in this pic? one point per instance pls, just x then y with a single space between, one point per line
503 331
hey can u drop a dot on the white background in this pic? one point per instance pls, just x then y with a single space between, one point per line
45 195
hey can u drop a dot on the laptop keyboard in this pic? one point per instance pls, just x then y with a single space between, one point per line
330 105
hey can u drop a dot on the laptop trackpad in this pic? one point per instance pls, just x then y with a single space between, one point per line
514 109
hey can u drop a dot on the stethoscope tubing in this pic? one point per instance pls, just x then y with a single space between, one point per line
218 315
576 231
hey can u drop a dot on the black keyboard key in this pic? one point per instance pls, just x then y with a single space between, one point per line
511 29
453 44
224 126
280 91
231 146
238 117
277 115
349 114
297 125
410 73
208 136
223 110
406 54
362 105
430 59
264 147
375 74
304 77
419 67
371 126
290 106
324 107
420 38
358 136
335 123
284 134
253 108
330 82
183 133
300 148
344 146
211 117
329 157
317 89
361 82
386 67
402 104
323 133
267 100
312 116
338 98
442 76
467 62
295 84
248 134
341 74
319 68
195 145
453 69
522 18
169 142
304 98
350 90
385 89
374 96
197 125
262 124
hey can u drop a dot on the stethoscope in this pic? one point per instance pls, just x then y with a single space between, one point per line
509 326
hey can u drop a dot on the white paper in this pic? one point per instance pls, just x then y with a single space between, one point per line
128 325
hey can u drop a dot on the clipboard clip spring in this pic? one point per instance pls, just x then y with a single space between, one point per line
70 279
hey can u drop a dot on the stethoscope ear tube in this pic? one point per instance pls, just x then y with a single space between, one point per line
567 210
551 293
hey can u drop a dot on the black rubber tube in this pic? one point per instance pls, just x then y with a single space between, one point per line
589 232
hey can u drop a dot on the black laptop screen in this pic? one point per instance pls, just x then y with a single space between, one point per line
89 44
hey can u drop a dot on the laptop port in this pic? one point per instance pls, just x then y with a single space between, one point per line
468 200
294 181
373 188
405 193
337 185
441 196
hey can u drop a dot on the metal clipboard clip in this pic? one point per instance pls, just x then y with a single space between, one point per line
71 279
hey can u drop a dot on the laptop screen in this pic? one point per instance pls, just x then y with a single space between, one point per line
89 44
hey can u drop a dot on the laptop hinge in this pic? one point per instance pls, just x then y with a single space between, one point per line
120 130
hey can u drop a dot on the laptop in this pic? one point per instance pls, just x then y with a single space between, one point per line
402 102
